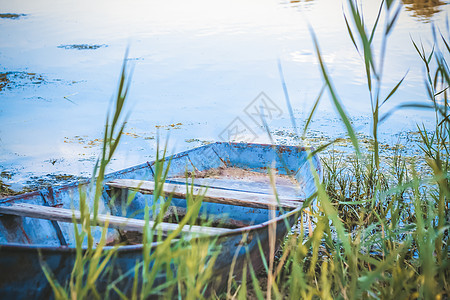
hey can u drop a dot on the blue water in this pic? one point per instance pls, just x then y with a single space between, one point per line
199 64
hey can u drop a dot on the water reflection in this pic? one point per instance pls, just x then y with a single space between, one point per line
423 10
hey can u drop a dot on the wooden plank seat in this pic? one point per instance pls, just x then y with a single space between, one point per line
215 195
286 189
67 215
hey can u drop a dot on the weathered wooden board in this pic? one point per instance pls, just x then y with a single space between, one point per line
283 190
214 195
67 215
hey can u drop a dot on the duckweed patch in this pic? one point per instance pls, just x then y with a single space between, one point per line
170 126
11 16
5 190
16 79
192 140
91 143
36 183
82 46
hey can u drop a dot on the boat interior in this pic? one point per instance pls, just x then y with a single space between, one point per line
238 184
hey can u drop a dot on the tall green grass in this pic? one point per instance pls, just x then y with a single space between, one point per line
380 227
185 263
91 263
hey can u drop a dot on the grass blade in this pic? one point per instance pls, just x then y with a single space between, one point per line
334 97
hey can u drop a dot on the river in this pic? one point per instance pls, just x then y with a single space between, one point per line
201 69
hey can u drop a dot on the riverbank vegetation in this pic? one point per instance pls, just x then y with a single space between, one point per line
378 227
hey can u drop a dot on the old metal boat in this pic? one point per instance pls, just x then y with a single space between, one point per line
239 206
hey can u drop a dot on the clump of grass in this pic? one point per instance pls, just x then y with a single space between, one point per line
185 264
351 180
380 228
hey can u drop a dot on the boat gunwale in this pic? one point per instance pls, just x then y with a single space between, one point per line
131 248
148 164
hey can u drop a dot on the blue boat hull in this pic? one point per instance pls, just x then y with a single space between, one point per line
26 243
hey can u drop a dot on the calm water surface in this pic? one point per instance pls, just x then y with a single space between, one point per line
198 66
